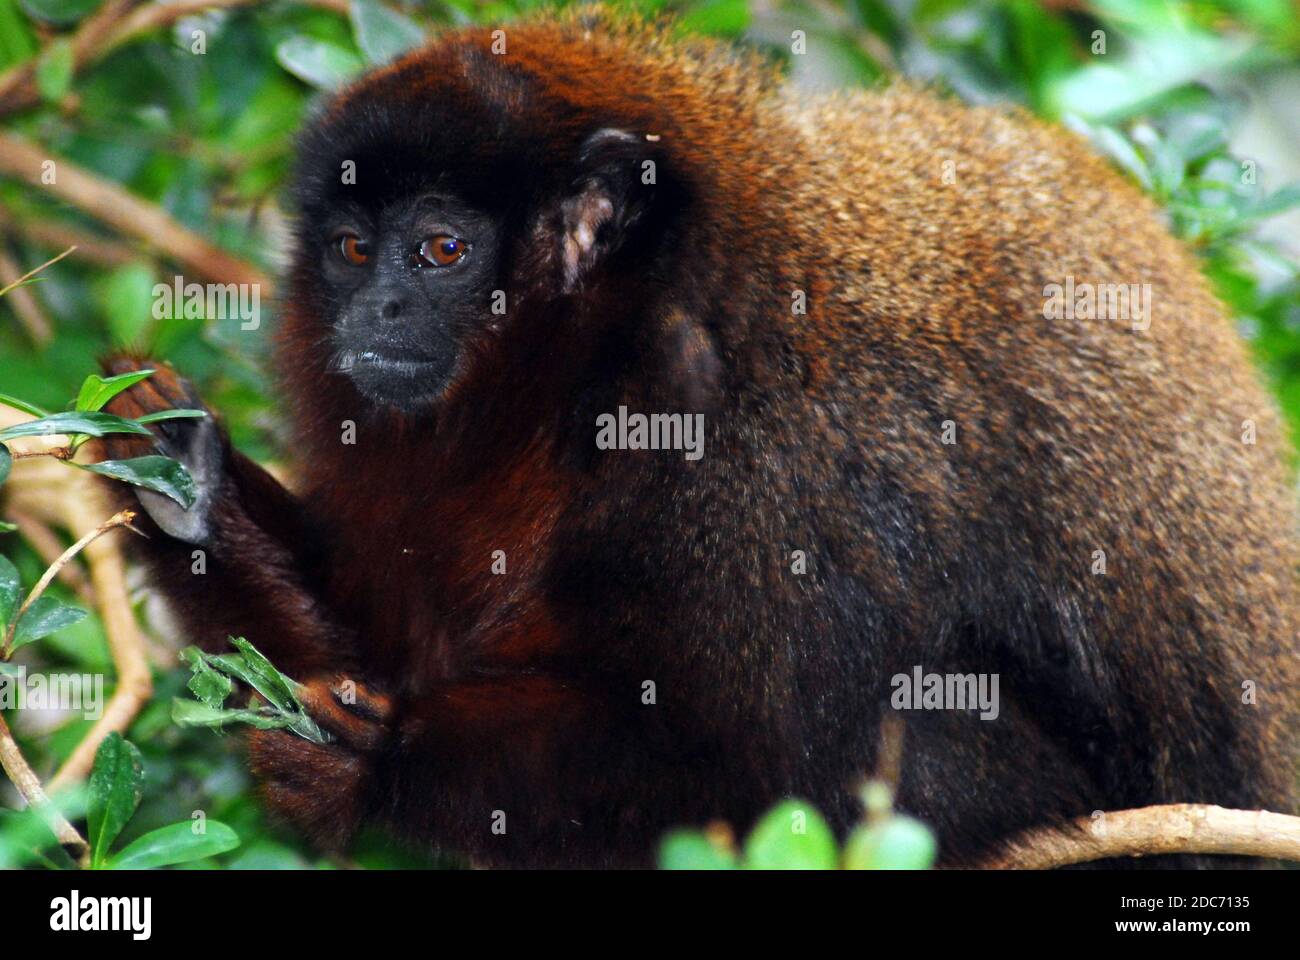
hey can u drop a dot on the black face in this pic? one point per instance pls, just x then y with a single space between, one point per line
408 284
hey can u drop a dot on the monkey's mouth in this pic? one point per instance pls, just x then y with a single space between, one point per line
403 381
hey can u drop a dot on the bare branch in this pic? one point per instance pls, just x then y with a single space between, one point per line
20 772
125 212
125 644
59 236
1150 831
48 546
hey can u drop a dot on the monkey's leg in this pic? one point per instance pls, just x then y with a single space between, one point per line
241 560
523 769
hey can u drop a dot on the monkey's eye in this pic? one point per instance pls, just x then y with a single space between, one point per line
440 251
353 249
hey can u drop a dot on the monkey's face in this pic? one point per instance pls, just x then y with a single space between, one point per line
407 284
457 219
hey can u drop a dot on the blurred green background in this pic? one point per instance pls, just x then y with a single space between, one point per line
192 108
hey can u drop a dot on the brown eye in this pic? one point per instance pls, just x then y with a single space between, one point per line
442 250
353 249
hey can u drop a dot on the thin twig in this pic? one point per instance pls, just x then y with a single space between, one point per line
31 273
58 453
122 518
48 546
23 303
1151 831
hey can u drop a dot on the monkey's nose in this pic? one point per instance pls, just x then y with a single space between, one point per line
391 310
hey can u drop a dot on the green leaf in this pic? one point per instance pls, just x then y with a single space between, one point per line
178 413
692 850
6 462
17 42
127 300
791 836
899 843
54 70
191 713
60 12
319 63
43 617
74 422
1279 201
723 18
382 33
265 678
209 685
177 843
96 390
159 474
282 692
11 591
250 667
115 790
23 405
6 527
1155 66
1119 149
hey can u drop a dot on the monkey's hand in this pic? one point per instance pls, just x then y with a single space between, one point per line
256 572
197 443
325 788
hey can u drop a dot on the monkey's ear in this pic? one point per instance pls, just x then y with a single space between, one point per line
613 191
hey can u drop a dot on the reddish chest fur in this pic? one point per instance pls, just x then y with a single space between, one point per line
429 594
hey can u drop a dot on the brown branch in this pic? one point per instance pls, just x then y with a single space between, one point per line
1150 831
58 453
125 645
59 236
111 204
122 518
20 772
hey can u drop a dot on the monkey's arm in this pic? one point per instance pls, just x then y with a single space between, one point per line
522 768
240 561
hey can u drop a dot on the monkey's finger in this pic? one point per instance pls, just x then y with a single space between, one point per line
352 728
361 699
164 390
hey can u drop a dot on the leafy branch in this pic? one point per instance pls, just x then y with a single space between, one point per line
211 682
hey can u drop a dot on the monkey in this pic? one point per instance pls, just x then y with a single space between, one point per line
536 649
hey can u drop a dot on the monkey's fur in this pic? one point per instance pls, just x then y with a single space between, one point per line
1101 534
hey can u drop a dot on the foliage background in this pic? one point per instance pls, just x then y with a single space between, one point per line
1183 93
